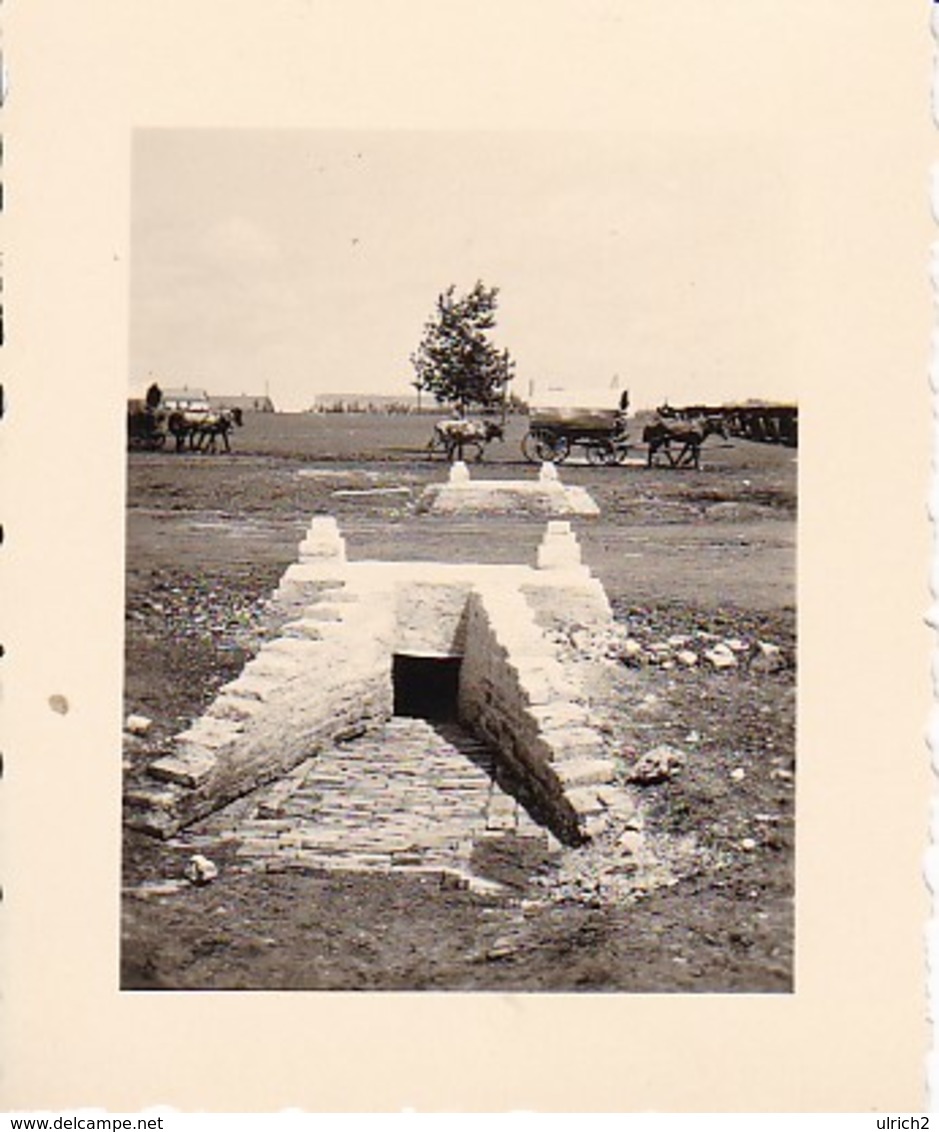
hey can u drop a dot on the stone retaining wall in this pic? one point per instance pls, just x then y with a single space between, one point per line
517 696
328 676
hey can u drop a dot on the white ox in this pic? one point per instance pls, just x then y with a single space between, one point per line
454 436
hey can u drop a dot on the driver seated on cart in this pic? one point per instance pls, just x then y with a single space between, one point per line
622 411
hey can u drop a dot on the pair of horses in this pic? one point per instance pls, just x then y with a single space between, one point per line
686 437
201 432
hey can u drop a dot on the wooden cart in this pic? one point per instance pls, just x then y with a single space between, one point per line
553 434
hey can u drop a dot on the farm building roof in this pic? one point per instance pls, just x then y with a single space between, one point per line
185 394
249 402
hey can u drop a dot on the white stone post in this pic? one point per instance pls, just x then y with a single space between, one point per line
559 549
323 542
459 473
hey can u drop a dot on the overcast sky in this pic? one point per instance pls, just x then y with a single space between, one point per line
308 262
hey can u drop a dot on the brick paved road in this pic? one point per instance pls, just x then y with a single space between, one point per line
413 795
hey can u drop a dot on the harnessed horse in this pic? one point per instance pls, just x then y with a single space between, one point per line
660 436
203 430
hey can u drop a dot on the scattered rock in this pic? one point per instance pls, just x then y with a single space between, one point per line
721 657
500 949
138 724
738 774
630 841
638 645
201 870
657 765
748 845
768 658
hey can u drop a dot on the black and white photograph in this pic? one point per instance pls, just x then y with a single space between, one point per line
461 536
466 546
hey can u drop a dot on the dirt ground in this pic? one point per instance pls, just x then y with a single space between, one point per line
698 557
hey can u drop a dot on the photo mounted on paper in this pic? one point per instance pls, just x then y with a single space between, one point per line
461 528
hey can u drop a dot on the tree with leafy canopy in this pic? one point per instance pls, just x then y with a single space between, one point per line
455 360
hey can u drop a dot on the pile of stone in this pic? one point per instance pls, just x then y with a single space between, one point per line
695 650
618 865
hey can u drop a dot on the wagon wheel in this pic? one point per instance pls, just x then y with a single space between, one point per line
559 449
552 449
545 447
601 453
530 441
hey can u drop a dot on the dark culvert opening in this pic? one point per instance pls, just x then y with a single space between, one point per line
426 687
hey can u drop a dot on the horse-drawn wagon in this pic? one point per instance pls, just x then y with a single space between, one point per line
146 426
553 433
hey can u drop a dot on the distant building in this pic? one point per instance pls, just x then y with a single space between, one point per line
186 399
364 403
247 402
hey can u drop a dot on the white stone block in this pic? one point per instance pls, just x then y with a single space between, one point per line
584 771
573 737
211 732
617 799
559 547
190 766
323 540
323 611
303 629
585 800
295 647
560 715
250 685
